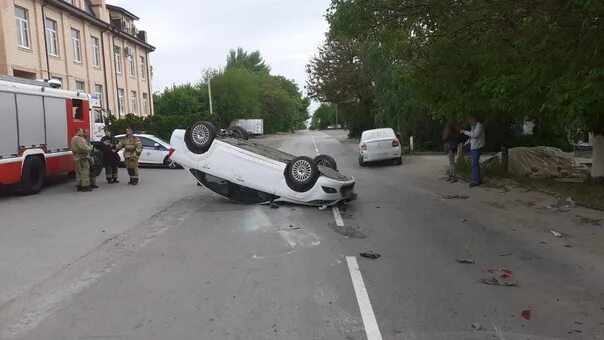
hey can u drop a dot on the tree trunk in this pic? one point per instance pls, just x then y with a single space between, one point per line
597 169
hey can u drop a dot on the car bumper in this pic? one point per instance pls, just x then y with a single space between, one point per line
380 156
326 191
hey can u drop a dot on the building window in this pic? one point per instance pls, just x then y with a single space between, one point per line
75 42
131 67
80 86
143 68
96 54
120 101
145 104
71 2
98 92
133 101
117 52
21 15
52 42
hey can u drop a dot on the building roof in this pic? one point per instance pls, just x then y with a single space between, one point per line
97 22
122 10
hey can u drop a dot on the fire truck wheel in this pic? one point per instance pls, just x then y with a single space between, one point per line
32 175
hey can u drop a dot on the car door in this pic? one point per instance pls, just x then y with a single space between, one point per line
149 152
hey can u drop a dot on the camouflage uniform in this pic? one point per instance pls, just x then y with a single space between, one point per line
81 150
132 150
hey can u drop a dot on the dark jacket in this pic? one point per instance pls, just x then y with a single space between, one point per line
451 137
108 145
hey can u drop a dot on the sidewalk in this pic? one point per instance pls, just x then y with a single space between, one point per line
521 209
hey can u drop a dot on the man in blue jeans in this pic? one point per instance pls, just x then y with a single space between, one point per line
476 141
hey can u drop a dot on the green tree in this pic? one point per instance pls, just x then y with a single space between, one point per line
324 116
179 100
252 62
502 60
235 95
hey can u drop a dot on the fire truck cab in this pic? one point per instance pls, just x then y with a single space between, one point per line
37 122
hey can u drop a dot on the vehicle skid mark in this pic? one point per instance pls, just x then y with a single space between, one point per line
280 222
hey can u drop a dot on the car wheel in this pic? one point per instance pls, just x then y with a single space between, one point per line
361 161
199 137
170 164
238 132
327 161
32 175
302 173
97 167
399 161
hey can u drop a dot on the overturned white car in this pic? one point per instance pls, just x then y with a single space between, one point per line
246 172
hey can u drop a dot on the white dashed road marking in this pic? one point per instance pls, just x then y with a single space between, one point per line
372 330
337 216
315 143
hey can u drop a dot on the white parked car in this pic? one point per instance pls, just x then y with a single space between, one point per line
379 145
155 151
247 172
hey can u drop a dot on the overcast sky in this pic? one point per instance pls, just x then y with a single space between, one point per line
191 35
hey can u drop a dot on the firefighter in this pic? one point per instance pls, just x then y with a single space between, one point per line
110 159
81 150
132 150
88 137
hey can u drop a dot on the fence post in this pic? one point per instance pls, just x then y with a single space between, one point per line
504 159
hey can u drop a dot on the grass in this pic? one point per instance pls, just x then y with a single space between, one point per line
587 194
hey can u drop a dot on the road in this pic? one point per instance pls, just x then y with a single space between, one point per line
170 260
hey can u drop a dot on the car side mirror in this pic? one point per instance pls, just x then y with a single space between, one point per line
156 145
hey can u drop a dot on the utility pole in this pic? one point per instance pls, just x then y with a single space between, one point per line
210 94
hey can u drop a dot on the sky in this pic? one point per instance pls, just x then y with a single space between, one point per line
190 35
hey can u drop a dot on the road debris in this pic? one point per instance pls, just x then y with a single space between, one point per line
501 277
526 314
586 220
567 246
464 220
555 233
506 254
564 202
476 326
323 208
465 261
377 206
370 255
542 242
578 323
456 196
274 206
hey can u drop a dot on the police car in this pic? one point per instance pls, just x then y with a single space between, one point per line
246 172
155 151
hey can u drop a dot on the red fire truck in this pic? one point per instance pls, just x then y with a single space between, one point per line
37 122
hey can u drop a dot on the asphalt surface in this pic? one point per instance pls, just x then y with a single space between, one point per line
179 262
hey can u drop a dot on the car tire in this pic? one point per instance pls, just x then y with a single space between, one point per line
97 167
199 137
32 175
170 164
238 132
399 161
362 162
326 161
301 173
